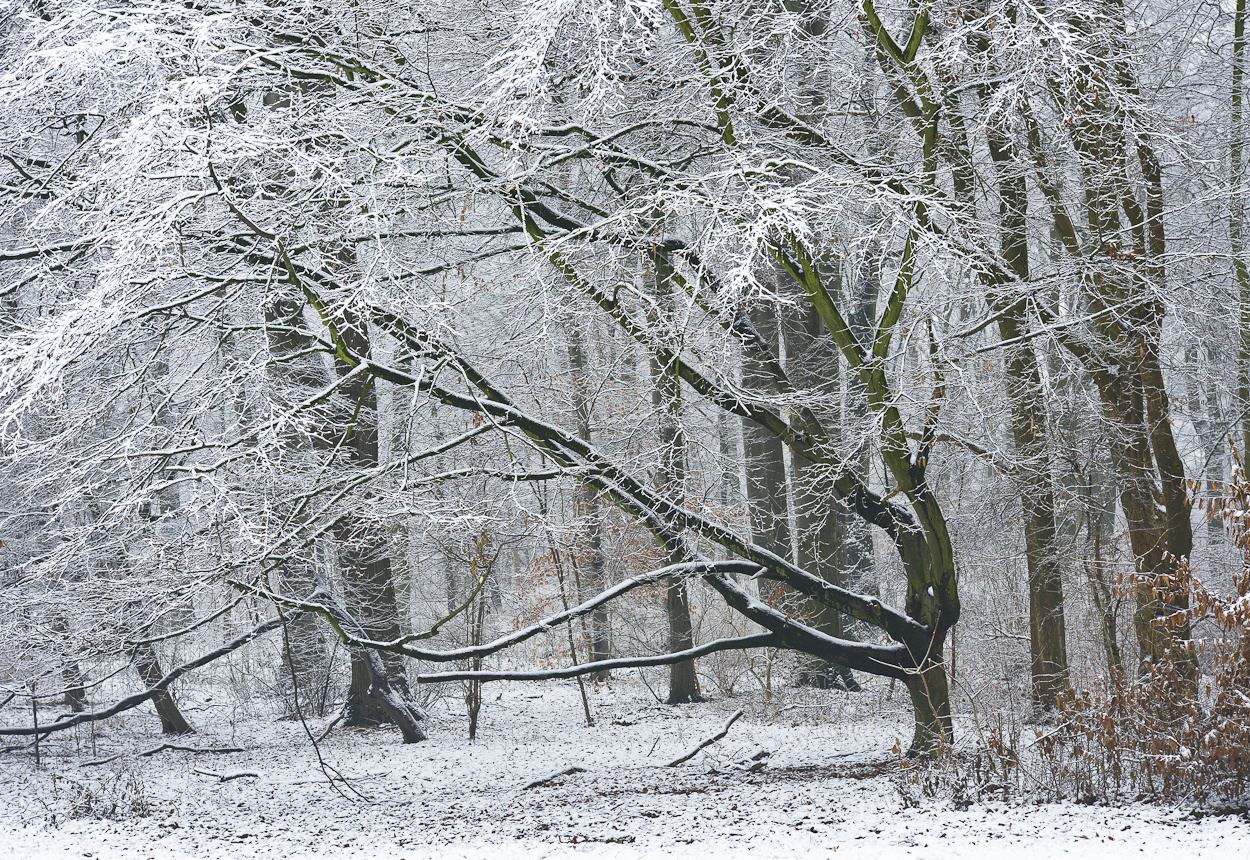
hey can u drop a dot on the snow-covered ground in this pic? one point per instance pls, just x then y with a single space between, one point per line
828 787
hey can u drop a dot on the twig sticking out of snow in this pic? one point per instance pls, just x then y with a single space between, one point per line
196 750
547 780
707 743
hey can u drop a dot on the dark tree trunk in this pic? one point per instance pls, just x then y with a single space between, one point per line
683 682
149 669
75 690
364 555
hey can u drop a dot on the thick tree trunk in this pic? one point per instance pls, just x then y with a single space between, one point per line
149 669
377 690
364 555
930 699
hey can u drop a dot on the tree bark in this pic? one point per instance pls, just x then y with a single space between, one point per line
364 554
149 669
683 682
812 363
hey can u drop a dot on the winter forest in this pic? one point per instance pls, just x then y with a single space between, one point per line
490 427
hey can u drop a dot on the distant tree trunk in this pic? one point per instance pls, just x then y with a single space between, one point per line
75 691
765 456
1105 601
1029 420
149 669
595 578
296 364
1047 638
1237 220
812 363
683 682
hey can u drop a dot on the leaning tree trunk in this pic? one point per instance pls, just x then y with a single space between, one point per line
149 669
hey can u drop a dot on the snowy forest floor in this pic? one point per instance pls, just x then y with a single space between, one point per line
829 786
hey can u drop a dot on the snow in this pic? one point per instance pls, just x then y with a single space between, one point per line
827 787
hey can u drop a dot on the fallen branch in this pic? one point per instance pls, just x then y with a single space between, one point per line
334 722
196 750
707 743
226 777
101 761
151 692
547 780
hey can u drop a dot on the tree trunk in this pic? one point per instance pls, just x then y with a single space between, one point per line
594 580
364 555
396 708
75 691
1048 655
1128 275
149 669
683 682
812 363
297 365
1237 220
930 699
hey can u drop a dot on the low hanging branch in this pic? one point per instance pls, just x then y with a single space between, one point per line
138 699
